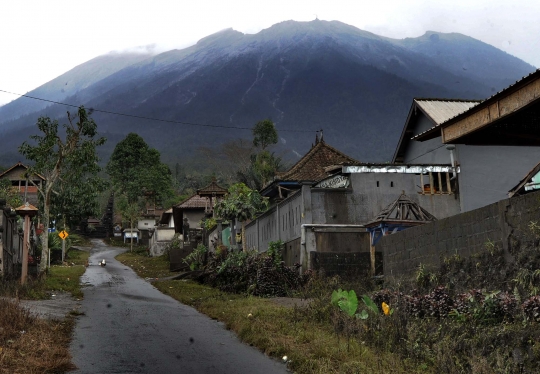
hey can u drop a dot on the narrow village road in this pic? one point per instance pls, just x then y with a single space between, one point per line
131 327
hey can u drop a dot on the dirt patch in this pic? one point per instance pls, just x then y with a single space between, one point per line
57 307
290 302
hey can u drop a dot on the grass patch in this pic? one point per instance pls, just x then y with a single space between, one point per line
60 278
145 266
311 346
32 345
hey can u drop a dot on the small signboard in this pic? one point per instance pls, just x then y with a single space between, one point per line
63 234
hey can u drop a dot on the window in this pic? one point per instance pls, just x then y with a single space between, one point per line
391 184
436 183
377 183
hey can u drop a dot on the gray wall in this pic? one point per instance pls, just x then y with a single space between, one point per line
487 172
428 152
281 222
366 200
194 218
464 234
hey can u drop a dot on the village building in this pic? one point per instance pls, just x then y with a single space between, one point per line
25 185
190 211
326 212
494 142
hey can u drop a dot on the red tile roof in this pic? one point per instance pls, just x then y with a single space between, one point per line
312 166
194 202
212 189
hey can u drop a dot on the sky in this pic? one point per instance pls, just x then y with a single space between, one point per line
40 40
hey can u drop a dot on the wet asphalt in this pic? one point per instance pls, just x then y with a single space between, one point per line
129 326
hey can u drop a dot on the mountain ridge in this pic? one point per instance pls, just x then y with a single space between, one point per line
303 75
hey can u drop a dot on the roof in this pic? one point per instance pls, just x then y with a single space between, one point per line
440 110
193 202
436 110
312 166
212 190
165 216
524 81
19 164
516 190
402 211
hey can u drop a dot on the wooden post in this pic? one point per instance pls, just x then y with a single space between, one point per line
372 252
431 183
26 240
448 186
440 182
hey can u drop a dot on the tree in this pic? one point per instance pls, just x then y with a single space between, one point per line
130 211
78 193
136 171
61 158
264 134
12 197
241 203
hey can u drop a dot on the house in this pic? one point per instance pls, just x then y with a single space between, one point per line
309 169
193 209
25 185
494 142
326 211
162 234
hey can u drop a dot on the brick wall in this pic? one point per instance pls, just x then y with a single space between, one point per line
344 263
503 223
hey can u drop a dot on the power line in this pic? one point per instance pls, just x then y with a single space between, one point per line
425 153
146 118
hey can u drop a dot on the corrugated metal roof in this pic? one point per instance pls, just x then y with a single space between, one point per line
486 101
442 110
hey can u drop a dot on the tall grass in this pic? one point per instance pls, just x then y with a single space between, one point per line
32 345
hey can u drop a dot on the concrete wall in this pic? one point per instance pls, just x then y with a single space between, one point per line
370 193
281 222
487 172
146 223
159 240
343 241
464 234
345 264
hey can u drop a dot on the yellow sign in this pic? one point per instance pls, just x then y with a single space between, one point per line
63 234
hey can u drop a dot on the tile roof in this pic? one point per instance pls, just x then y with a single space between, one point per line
312 166
194 202
212 189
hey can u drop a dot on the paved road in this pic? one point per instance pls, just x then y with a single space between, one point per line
131 327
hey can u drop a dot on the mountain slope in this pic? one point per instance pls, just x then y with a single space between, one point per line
71 82
305 76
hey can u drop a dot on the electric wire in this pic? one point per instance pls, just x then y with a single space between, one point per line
149 118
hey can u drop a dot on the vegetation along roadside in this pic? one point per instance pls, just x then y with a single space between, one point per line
308 344
29 344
